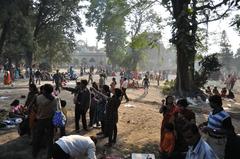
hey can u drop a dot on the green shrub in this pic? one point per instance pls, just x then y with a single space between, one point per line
168 87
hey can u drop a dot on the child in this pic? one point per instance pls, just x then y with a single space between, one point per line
215 91
208 91
64 110
168 143
224 92
16 110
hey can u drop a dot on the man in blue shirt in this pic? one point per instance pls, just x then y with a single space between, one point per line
198 148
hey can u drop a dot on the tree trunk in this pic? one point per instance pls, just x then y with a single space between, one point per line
3 34
185 42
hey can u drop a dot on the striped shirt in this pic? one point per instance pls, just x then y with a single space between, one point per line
215 121
201 151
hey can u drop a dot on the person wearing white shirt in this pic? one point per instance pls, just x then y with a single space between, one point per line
198 148
75 146
124 88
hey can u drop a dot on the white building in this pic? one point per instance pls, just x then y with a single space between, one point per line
86 55
160 58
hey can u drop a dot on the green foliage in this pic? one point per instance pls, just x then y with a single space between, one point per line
109 18
39 29
168 87
209 64
226 55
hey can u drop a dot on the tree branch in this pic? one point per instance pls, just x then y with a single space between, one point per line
211 7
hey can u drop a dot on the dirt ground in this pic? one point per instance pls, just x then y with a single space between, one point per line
138 127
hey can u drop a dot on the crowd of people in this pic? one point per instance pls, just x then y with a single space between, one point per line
181 137
100 100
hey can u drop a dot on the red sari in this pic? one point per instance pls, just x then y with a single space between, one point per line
168 117
7 78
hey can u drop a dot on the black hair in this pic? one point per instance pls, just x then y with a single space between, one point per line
167 98
216 99
63 103
192 127
15 102
34 88
84 82
48 89
94 139
182 102
118 92
106 89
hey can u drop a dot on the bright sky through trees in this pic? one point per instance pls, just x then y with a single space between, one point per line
215 29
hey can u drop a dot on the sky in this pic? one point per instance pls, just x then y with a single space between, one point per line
215 29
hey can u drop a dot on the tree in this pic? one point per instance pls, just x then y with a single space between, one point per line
54 25
109 18
39 29
225 53
15 34
187 15
145 27
237 60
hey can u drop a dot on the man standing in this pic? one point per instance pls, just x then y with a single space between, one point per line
112 116
219 125
90 77
124 88
82 105
46 106
38 76
75 146
57 79
198 148
145 84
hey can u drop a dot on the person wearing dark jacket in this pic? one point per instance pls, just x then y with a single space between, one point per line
112 116
82 105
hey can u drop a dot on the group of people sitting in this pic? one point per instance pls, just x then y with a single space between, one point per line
225 93
181 137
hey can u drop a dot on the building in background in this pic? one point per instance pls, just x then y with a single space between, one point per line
160 58
88 55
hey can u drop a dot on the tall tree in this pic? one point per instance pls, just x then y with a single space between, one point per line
109 18
145 27
225 53
58 17
187 15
